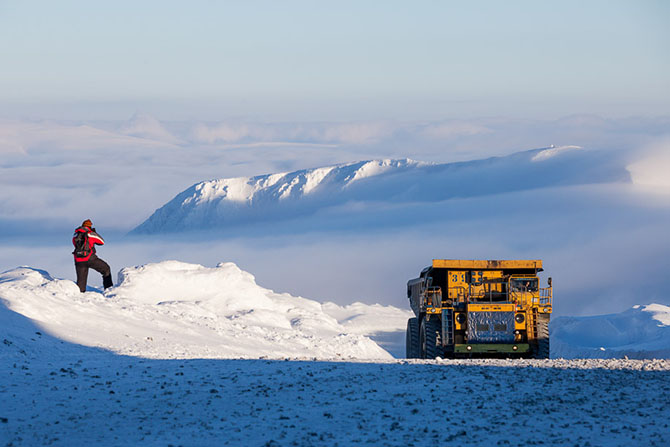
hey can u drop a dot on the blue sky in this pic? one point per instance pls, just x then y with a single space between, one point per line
229 89
345 60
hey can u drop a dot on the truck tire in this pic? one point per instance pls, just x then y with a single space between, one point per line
412 339
541 349
429 335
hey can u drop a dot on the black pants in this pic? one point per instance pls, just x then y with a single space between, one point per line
96 264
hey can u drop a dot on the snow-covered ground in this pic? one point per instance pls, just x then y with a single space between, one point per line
84 397
214 359
178 310
639 332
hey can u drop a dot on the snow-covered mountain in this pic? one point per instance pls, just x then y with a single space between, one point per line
177 310
267 198
641 332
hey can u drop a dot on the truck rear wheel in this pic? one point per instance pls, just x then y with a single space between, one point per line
429 335
541 349
412 339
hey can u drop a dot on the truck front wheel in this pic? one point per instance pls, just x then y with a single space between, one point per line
541 347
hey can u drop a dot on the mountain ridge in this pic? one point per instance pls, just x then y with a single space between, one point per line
221 203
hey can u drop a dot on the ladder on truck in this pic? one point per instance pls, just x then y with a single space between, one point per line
448 329
533 323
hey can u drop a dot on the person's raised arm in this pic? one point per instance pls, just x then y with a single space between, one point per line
95 237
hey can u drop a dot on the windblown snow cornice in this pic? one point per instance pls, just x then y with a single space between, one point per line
233 201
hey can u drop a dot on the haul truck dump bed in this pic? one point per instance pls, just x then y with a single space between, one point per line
470 308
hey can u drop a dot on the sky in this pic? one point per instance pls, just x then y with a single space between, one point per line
109 110
347 60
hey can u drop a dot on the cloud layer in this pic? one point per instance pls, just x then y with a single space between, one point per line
121 171
593 238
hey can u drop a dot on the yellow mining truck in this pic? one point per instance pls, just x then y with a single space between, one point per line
467 308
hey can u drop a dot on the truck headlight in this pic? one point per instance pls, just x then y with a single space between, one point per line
519 318
460 318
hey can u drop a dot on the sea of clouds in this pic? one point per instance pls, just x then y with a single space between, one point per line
605 245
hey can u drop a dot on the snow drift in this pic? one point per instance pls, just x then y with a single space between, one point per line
172 309
267 198
641 332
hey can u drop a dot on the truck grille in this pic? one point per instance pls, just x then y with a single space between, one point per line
490 327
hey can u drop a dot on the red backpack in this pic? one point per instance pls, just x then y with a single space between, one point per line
81 246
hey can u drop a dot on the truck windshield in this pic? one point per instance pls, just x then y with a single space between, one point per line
523 284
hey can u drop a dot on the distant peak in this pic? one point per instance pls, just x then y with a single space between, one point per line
552 151
142 125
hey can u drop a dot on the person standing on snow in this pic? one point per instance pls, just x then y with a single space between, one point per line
84 240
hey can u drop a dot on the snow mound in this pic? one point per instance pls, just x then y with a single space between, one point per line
366 319
639 332
173 309
267 198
